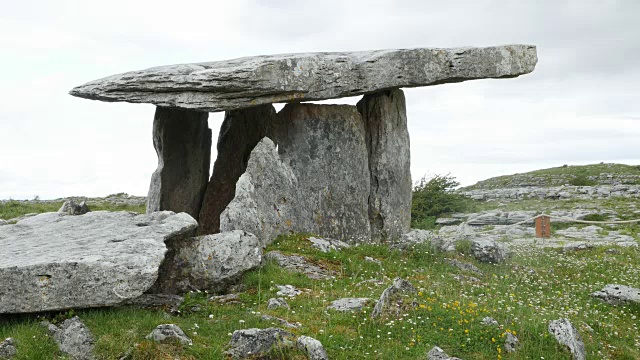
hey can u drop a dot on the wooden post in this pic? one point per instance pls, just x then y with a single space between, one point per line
543 227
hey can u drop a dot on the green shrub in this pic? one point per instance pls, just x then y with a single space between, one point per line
581 180
434 197
594 217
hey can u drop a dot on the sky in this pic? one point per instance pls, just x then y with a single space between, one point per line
581 105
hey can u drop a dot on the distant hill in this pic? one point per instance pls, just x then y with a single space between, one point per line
577 175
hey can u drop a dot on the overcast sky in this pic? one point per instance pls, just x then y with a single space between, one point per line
581 105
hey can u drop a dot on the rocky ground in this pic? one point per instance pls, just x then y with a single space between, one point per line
480 286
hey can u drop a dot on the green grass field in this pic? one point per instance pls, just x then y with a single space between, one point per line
535 286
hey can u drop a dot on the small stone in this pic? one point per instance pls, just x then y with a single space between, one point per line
8 348
370 259
251 343
465 266
313 348
392 298
489 251
73 338
326 245
487 320
275 303
510 343
167 333
299 264
437 353
288 290
348 304
70 207
226 299
568 336
282 322
618 294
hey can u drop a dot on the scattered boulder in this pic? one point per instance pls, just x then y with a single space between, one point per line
209 262
348 304
326 245
618 294
370 259
567 335
226 299
168 333
489 251
487 320
54 261
251 343
392 299
281 321
296 263
437 353
275 303
510 343
465 266
312 347
8 348
70 207
170 302
288 290
73 338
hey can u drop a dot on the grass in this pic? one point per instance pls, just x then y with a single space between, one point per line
13 208
535 286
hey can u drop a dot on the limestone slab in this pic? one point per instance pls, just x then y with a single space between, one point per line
251 81
55 261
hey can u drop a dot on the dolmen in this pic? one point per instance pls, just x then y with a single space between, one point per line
337 171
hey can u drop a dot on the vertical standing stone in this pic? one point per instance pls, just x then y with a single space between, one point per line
324 145
182 140
385 120
239 134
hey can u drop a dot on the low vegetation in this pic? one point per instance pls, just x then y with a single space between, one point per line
14 208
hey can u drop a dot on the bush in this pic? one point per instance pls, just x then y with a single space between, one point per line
434 197
581 180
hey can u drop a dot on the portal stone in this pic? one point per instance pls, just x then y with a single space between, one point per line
387 138
182 140
239 134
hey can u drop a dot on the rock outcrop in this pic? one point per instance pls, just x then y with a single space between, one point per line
182 140
168 333
54 261
73 338
70 207
312 347
250 343
251 81
618 294
567 335
209 262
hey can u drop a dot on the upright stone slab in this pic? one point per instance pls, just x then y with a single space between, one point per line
385 119
182 140
325 147
239 134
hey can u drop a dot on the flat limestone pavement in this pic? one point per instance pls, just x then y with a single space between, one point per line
251 81
55 261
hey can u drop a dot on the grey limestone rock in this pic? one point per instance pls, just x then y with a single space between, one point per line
489 251
182 140
326 245
8 348
73 338
465 266
70 207
288 290
226 299
54 261
312 347
385 118
618 294
240 132
3 222
252 81
275 303
209 262
348 304
487 320
298 263
392 298
437 353
170 302
266 202
281 322
251 343
167 333
567 335
510 343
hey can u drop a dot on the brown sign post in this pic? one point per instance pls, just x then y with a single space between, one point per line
543 227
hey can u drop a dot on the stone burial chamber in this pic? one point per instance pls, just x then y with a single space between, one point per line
337 171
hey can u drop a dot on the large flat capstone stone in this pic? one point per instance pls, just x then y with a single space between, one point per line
251 81
55 261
